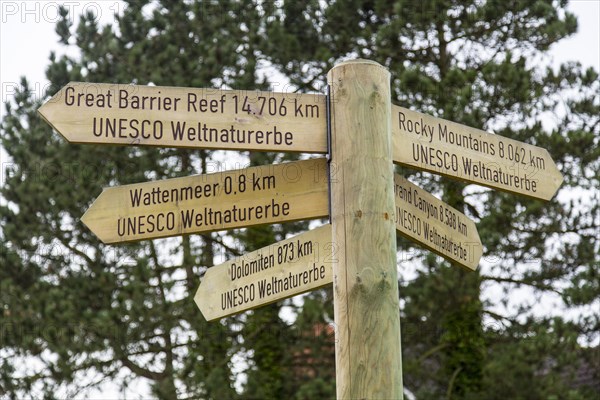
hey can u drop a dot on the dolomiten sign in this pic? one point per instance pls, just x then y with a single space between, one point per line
284 269
472 155
203 203
106 113
440 228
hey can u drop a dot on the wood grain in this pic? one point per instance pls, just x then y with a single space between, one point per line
366 304
104 113
281 270
204 203
460 152
423 218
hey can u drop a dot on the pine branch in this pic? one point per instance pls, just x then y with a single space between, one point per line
143 372
533 284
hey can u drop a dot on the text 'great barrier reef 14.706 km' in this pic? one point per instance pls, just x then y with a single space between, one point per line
106 113
203 203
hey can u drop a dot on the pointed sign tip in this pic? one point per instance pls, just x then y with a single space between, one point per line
45 112
478 253
202 304
89 223
42 112
84 220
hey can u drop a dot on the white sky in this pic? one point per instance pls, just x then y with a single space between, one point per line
27 37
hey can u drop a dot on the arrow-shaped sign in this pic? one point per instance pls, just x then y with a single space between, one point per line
472 155
284 269
440 228
203 203
106 113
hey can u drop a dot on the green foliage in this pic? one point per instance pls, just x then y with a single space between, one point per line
81 309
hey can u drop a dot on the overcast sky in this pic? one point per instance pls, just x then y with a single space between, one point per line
27 37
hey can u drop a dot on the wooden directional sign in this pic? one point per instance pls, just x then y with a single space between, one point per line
203 203
275 272
429 221
472 155
365 286
186 117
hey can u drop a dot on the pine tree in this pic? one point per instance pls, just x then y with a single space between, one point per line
471 62
81 307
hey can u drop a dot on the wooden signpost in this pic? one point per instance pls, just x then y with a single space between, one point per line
284 269
365 279
105 113
366 202
472 155
204 203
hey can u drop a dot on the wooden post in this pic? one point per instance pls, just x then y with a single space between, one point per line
365 284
